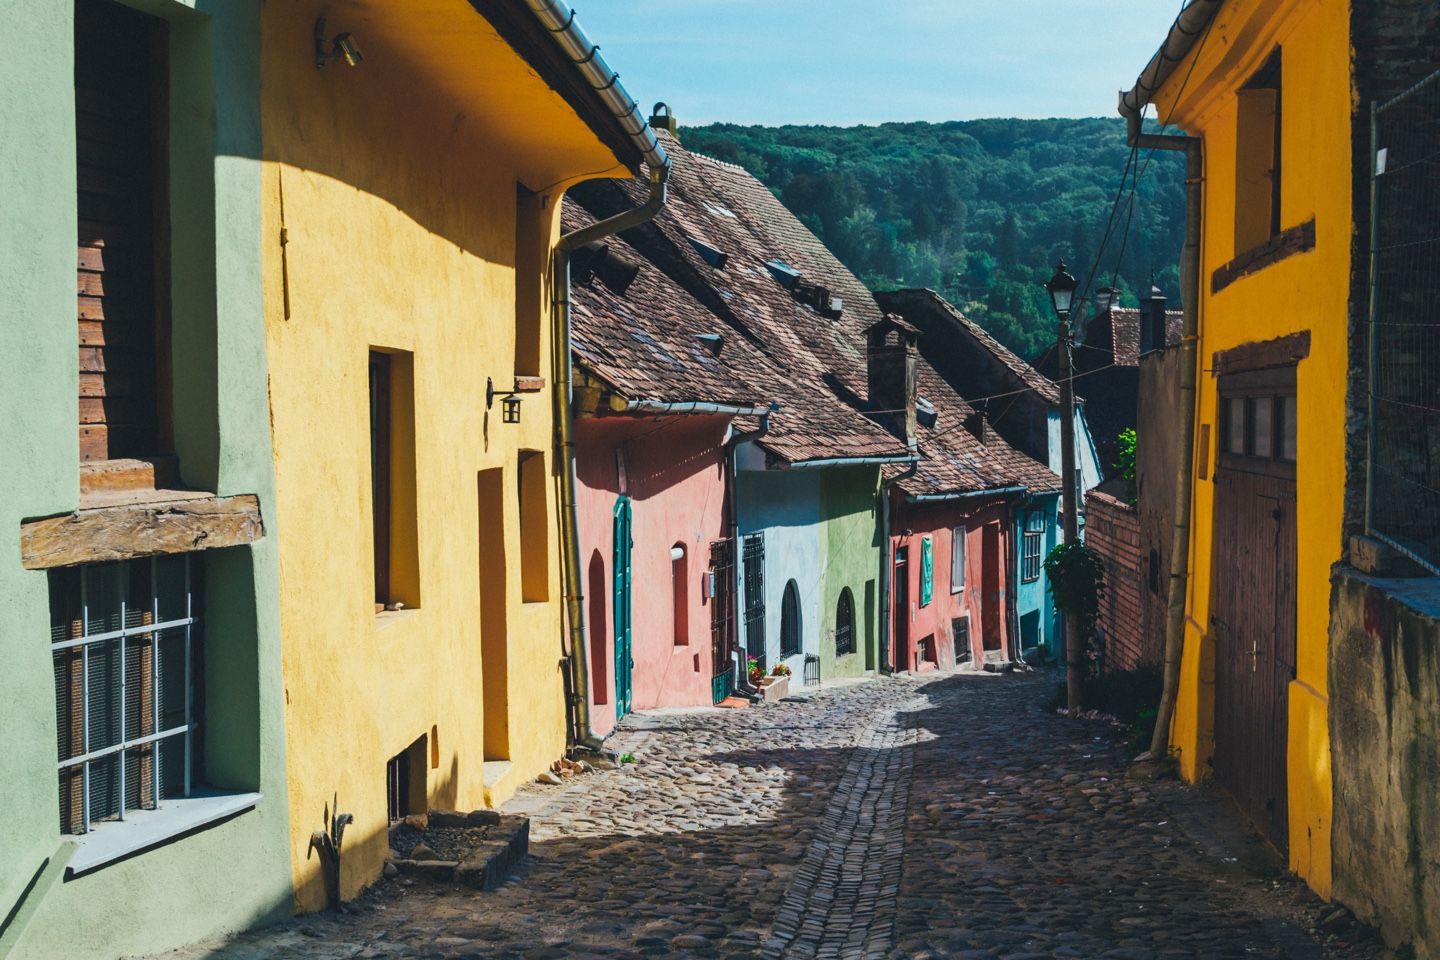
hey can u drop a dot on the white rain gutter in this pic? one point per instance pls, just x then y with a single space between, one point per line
559 19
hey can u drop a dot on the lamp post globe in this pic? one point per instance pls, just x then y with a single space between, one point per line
1061 288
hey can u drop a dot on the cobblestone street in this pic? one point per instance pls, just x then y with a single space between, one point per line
892 818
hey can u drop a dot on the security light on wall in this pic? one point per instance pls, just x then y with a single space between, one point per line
342 47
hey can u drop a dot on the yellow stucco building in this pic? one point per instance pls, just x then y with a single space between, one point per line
414 157
1265 85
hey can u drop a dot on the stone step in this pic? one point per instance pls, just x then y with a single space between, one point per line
488 865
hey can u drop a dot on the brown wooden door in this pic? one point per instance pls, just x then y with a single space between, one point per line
992 627
1253 605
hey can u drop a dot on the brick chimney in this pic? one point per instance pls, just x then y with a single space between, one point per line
1153 335
890 357
978 424
1105 299
662 119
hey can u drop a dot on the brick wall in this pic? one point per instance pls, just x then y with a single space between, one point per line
1112 529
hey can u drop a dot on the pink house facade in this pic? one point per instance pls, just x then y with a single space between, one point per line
668 473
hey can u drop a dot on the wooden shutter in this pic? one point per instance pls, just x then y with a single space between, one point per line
119 92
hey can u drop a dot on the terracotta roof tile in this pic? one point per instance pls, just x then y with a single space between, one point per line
778 346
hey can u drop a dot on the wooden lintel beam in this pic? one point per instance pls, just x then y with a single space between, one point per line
136 530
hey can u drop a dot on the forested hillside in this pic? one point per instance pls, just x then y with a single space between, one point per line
979 210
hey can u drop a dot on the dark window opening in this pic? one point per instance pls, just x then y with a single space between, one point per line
380 427
790 621
679 596
1257 157
121 100
754 571
845 623
960 634
405 781
534 528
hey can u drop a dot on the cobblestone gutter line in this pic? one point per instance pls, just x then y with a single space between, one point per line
842 901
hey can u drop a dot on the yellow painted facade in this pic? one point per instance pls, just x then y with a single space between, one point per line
393 223
1307 291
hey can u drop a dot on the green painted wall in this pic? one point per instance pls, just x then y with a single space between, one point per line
236 873
848 500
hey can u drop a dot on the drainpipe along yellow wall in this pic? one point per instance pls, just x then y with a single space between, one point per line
393 224
1308 291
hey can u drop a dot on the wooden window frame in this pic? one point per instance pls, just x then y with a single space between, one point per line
1255 387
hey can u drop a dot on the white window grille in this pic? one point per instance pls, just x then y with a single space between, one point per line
124 645
957 559
1031 546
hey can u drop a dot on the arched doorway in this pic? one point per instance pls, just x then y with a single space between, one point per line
845 624
790 621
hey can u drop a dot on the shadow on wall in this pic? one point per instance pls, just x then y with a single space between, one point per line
342 124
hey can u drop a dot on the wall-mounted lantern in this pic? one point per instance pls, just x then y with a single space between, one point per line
509 406
342 47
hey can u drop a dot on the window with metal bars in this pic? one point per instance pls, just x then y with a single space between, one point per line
790 620
845 623
754 557
1031 546
125 644
960 637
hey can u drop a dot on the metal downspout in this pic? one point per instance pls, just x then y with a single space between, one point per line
737 570
582 734
557 18
1185 462
887 565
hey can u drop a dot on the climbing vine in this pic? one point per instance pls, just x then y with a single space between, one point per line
1125 460
1077 582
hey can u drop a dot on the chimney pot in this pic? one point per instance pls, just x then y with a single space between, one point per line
1153 333
662 119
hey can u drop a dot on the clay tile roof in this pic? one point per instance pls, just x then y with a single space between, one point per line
908 301
783 348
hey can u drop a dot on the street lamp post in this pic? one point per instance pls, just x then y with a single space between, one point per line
1061 288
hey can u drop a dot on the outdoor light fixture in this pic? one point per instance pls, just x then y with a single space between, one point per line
509 407
1061 288
343 47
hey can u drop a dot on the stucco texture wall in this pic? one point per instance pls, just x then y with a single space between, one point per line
1034 604
674 476
395 186
172 894
983 597
1308 291
821 531
1385 722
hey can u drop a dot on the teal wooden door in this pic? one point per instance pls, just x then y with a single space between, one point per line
621 606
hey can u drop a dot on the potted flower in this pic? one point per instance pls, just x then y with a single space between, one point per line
777 685
754 671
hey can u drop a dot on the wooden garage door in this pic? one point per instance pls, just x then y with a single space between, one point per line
1253 606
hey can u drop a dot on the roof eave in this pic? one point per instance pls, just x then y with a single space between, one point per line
1189 26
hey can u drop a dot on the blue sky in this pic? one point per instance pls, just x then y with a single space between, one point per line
868 61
